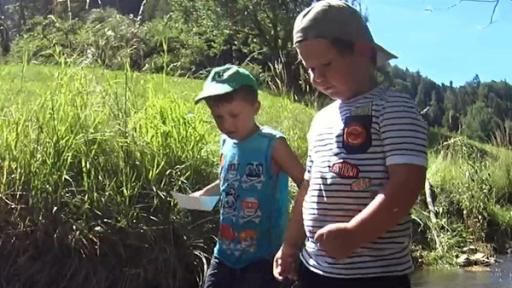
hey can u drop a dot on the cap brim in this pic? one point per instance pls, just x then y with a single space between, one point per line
383 55
212 90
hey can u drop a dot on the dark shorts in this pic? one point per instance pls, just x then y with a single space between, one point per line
310 279
257 274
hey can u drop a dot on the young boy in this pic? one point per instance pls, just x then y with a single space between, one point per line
350 224
253 184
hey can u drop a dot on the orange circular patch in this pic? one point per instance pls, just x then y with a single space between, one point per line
355 134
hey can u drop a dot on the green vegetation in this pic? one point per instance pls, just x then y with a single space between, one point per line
87 161
473 186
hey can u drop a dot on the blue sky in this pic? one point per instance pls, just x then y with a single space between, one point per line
445 43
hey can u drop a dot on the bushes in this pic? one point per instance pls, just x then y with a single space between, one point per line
105 38
111 44
191 37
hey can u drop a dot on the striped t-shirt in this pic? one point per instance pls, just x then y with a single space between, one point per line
350 145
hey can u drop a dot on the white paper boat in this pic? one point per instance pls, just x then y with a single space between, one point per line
205 203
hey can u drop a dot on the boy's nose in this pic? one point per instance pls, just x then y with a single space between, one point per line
317 76
228 126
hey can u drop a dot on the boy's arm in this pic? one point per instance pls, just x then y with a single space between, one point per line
389 207
288 161
210 190
286 258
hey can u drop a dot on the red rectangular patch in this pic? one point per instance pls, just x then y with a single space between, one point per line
345 169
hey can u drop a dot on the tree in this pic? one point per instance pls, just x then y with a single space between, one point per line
425 89
453 110
5 43
22 16
479 123
421 96
476 81
435 113
2 8
451 121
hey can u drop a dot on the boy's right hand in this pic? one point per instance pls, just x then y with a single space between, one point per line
285 263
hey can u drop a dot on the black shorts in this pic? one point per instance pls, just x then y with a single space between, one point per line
254 275
310 279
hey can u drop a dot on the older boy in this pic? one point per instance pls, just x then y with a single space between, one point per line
253 183
366 162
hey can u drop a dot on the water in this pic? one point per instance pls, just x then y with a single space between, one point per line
500 276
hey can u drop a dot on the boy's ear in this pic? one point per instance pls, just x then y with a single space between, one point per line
258 106
364 49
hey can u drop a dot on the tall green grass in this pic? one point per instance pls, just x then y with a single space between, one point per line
87 161
473 187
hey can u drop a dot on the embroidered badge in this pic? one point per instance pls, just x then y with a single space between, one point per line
345 169
355 134
361 184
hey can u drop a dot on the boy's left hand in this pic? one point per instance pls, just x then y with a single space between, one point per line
338 240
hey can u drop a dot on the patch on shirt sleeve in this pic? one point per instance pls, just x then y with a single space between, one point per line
345 169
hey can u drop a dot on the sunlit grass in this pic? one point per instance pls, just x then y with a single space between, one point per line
472 185
88 158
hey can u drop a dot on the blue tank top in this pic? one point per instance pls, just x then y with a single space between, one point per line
254 201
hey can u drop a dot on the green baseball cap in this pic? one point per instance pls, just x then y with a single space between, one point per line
225 79
336 19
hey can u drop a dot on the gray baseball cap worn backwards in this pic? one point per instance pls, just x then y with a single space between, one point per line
336 19
225 79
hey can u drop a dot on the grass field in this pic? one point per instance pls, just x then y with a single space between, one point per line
87 161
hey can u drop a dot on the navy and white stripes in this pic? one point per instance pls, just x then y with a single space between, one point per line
398 136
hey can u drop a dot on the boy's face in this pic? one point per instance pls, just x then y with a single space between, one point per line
235 118
340 76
